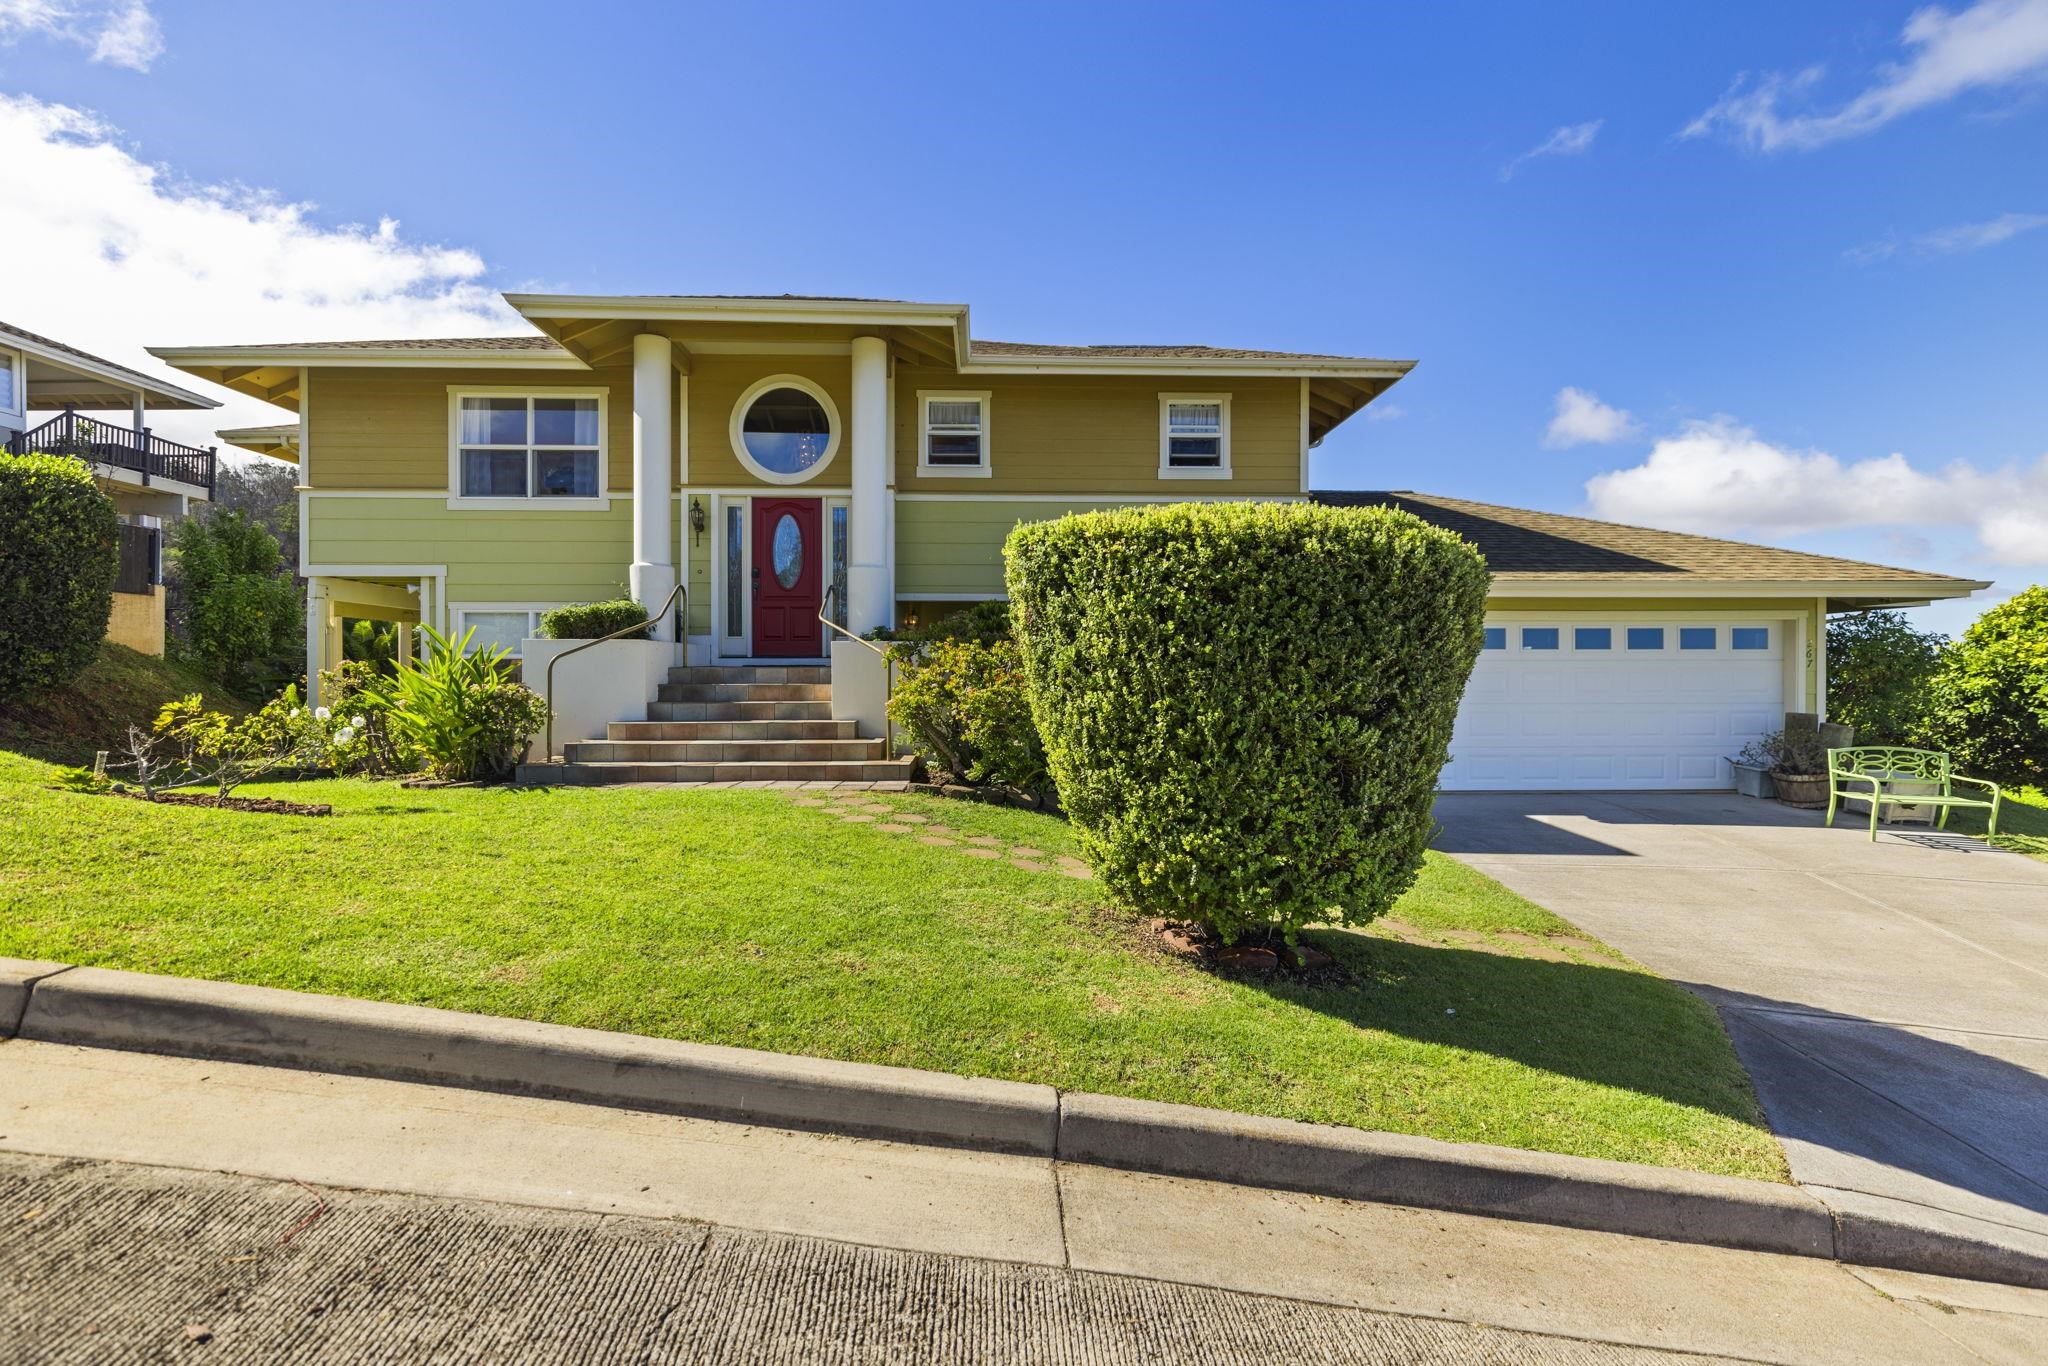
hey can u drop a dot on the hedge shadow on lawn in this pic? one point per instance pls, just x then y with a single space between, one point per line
1597 1024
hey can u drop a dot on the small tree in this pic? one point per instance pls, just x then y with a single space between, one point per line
242 612
1988 704
59 558
1879 668
1246 706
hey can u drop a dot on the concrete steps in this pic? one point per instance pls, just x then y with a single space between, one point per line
807 771
704 751
730 730
758 723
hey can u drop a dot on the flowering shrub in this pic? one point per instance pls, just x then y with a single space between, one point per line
212 748
361 738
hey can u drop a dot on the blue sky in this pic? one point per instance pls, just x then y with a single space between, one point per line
1761 293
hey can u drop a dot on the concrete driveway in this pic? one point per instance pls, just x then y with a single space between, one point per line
1890 999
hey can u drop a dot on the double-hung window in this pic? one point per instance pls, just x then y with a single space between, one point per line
1194 436
953 436
544 447
10 384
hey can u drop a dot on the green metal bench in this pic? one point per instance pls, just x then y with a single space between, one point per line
1883 767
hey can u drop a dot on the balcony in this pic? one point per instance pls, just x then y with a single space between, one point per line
99 443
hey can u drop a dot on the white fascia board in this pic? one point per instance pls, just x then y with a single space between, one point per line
106 371
409 357
1187 365
1509 586
690 308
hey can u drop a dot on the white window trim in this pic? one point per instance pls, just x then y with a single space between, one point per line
457 503
1168 470
460 612
925 468
17 364
834 438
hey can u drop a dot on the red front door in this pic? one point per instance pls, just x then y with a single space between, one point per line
788 573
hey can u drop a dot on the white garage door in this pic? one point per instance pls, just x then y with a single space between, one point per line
1586 703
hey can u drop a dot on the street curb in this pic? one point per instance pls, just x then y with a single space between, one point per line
18 977
1470 1178
149 1014
143 1013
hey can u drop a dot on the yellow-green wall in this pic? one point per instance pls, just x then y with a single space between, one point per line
1076 434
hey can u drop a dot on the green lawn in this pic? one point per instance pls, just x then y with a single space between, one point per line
2022 821
750 918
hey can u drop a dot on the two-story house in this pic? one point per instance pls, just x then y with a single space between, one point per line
152 481
782 459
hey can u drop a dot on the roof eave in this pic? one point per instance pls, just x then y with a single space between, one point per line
1865 592
157 393
1220 366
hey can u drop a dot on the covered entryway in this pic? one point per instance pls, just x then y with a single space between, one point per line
1613 702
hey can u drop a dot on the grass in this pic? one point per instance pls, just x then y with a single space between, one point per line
755 919
2022 821
122 687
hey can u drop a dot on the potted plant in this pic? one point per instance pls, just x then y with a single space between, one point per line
1796 763
1752 773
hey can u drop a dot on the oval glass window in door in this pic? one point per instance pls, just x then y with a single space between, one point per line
786 548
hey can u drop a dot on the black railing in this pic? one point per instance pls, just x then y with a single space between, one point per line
103 443
138 559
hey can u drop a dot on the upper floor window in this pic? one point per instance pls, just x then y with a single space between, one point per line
953 438
1194 436
537 446
10 383
785 429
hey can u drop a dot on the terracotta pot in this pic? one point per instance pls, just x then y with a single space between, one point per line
1808 791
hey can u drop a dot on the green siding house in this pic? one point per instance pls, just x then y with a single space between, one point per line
794 464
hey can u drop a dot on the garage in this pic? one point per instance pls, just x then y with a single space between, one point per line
1590 702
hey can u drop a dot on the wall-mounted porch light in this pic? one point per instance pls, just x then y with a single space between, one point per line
698 520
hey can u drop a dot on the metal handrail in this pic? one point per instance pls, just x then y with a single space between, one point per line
680 591
888 668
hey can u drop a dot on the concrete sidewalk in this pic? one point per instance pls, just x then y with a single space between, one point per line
958 1255
1889 999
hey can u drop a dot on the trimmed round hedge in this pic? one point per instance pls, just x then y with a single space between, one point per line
1246 705
59 558
594 620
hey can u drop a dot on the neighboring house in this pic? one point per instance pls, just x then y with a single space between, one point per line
783 456
151 480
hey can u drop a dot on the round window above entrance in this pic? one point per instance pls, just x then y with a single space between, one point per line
785 429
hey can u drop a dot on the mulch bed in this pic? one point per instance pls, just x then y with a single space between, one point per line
1271 959
988 796
268 806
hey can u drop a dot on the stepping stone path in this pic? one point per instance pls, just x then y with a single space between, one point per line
859 807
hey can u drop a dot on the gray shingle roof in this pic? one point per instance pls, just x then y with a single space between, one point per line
1521 543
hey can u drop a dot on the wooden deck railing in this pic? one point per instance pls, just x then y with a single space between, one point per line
103 443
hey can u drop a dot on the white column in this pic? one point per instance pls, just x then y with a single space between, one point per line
1820 660
870 554
316 638
653 574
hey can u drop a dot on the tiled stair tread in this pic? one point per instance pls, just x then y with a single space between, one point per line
749 673
739 711
744 692
711 751
871 770
731 730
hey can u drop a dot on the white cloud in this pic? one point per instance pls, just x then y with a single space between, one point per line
1720 478
134 257
118 32
1951 240
1580 418
1384 411
1573 139
1991 45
